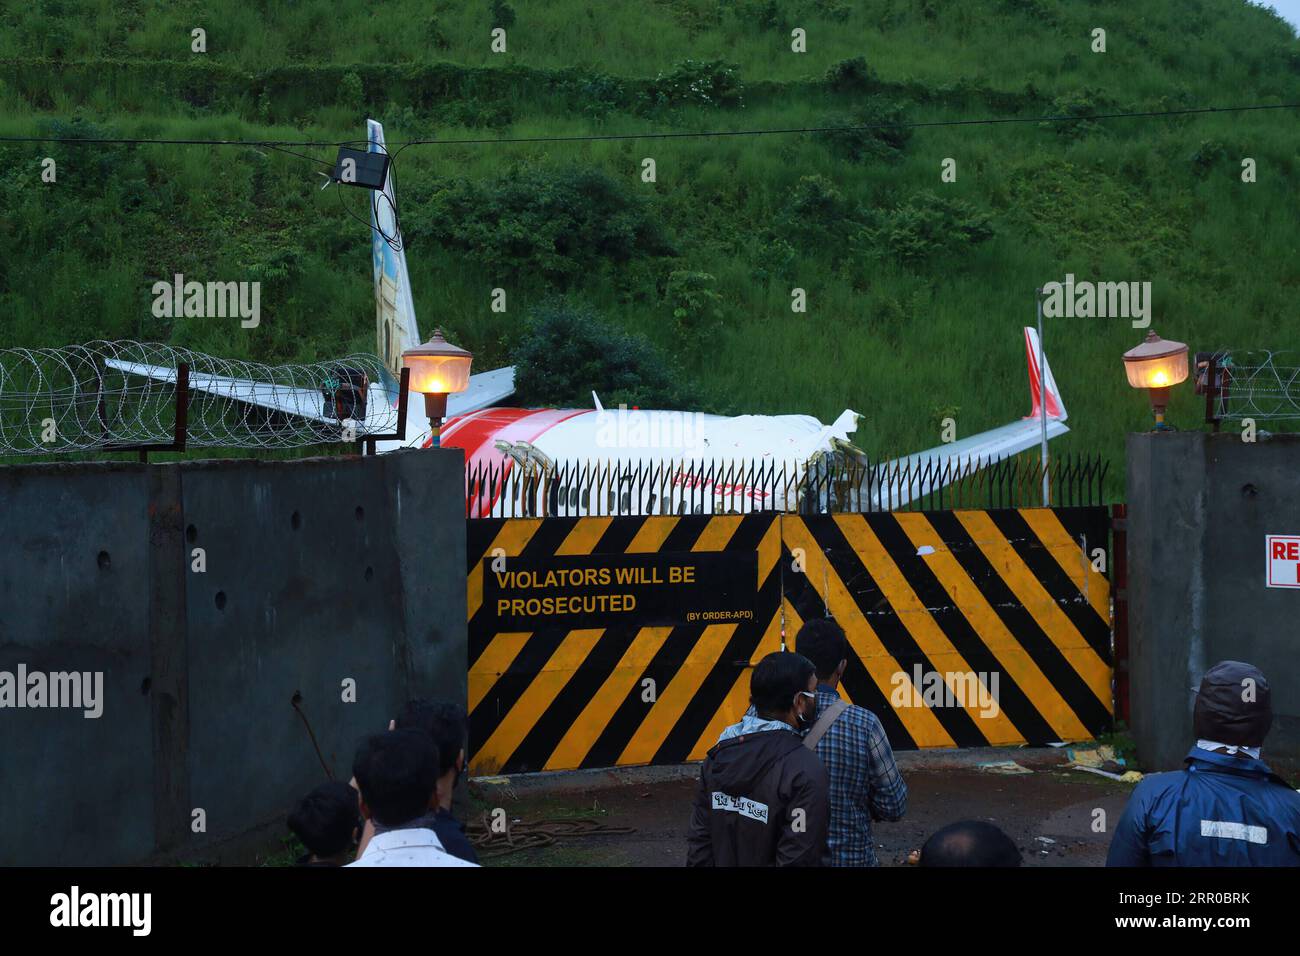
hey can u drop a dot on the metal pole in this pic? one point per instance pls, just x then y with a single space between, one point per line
1042 391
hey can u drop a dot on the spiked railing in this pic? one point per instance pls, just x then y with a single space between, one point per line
832 484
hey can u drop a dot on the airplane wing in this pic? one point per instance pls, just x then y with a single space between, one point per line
304 402
485 389
968 454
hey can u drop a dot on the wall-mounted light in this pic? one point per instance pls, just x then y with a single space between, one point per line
438 369
1156 365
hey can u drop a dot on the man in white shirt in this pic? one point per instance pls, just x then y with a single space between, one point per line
413 846
397 773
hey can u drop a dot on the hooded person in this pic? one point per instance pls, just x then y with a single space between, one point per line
764 798
1227 807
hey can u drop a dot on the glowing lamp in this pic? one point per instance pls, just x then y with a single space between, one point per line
438 369
1156 365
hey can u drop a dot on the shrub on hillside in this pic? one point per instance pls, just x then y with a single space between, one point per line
559 224
597 94
501 14
474 113
567 351
694 301
764 14
1076 107
351 94
923 227
696 83
816 197
819 216
774 259
1037 10
91 174
874 132
434 33
1210 152
850 76
835 10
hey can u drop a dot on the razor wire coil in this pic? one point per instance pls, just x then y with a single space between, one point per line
106 396
1258 384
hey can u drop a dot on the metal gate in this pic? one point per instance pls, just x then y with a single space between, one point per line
624 640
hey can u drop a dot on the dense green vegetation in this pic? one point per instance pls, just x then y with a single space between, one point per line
916 288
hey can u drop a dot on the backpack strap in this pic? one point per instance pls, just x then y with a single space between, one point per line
828 717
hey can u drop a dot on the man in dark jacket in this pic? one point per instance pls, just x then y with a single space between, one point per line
1227 808
764 797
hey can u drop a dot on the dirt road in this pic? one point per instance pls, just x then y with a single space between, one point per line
1050 804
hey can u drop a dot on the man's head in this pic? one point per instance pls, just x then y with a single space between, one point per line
783 687
969 843
1233 706
822 641
397 773
327 820
445 723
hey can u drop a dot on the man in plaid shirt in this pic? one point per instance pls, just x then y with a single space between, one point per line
865 782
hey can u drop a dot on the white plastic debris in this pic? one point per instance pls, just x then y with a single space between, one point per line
1003 766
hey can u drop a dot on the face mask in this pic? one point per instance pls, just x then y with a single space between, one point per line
809 716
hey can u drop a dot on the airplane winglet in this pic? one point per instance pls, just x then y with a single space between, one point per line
1055 404
596 401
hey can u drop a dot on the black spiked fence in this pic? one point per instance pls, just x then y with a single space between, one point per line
828 485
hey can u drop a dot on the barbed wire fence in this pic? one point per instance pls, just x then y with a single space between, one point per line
118 396
1258 384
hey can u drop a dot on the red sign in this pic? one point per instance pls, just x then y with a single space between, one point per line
1283 552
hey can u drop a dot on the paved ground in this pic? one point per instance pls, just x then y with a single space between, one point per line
1051 802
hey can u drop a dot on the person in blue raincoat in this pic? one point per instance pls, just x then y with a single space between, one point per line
1226 808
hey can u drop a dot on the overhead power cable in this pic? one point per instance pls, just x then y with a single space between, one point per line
919 124
680 134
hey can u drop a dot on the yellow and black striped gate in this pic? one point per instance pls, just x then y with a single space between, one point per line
554 687
967 628
624 640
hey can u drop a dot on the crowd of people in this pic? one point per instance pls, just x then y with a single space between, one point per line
804 774
396 811
800 779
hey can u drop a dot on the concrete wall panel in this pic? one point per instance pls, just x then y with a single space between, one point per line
74 596
1199 507
318 572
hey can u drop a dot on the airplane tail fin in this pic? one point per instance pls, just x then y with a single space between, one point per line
395 327
1037 381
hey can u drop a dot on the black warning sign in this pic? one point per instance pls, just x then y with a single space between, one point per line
660 589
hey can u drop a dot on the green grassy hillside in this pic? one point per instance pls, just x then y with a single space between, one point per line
916 288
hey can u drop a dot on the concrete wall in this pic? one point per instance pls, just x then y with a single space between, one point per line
317 572
1199 507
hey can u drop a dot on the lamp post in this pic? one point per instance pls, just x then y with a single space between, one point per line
1156 365
438 369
